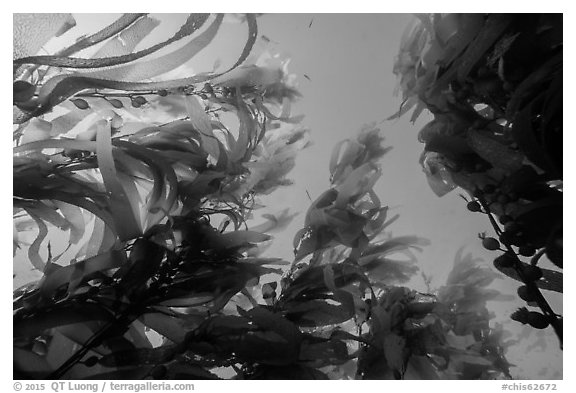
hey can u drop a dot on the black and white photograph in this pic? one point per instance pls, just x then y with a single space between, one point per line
287 196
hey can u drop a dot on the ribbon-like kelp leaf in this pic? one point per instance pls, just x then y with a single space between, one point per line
67 122
357 183
284 116
103 226
275 222
37 130
56 144
41 213
250 75
420 107
265 261
387 271
343 162
495 152
313 280
136 169
337 159
469 271
126 24
309 240
164 193
231 216
201 123
79 196
238 239
15 238
61 87
191 192
126 42
378 217
325 200
492 30
185 153
405 107
346 225
252 36
127 227
75 219
65 275
133 193
245 133
126 168
147 69
319 312
174 131
33 255
329 217
396 244
193 23
84 192
109 31
46 212
211 287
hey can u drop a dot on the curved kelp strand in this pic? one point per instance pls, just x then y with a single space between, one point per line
118 26
137 71
193 23
127 226
252 36
111 30
62 87
159 167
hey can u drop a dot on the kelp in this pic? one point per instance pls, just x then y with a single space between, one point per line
144 179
